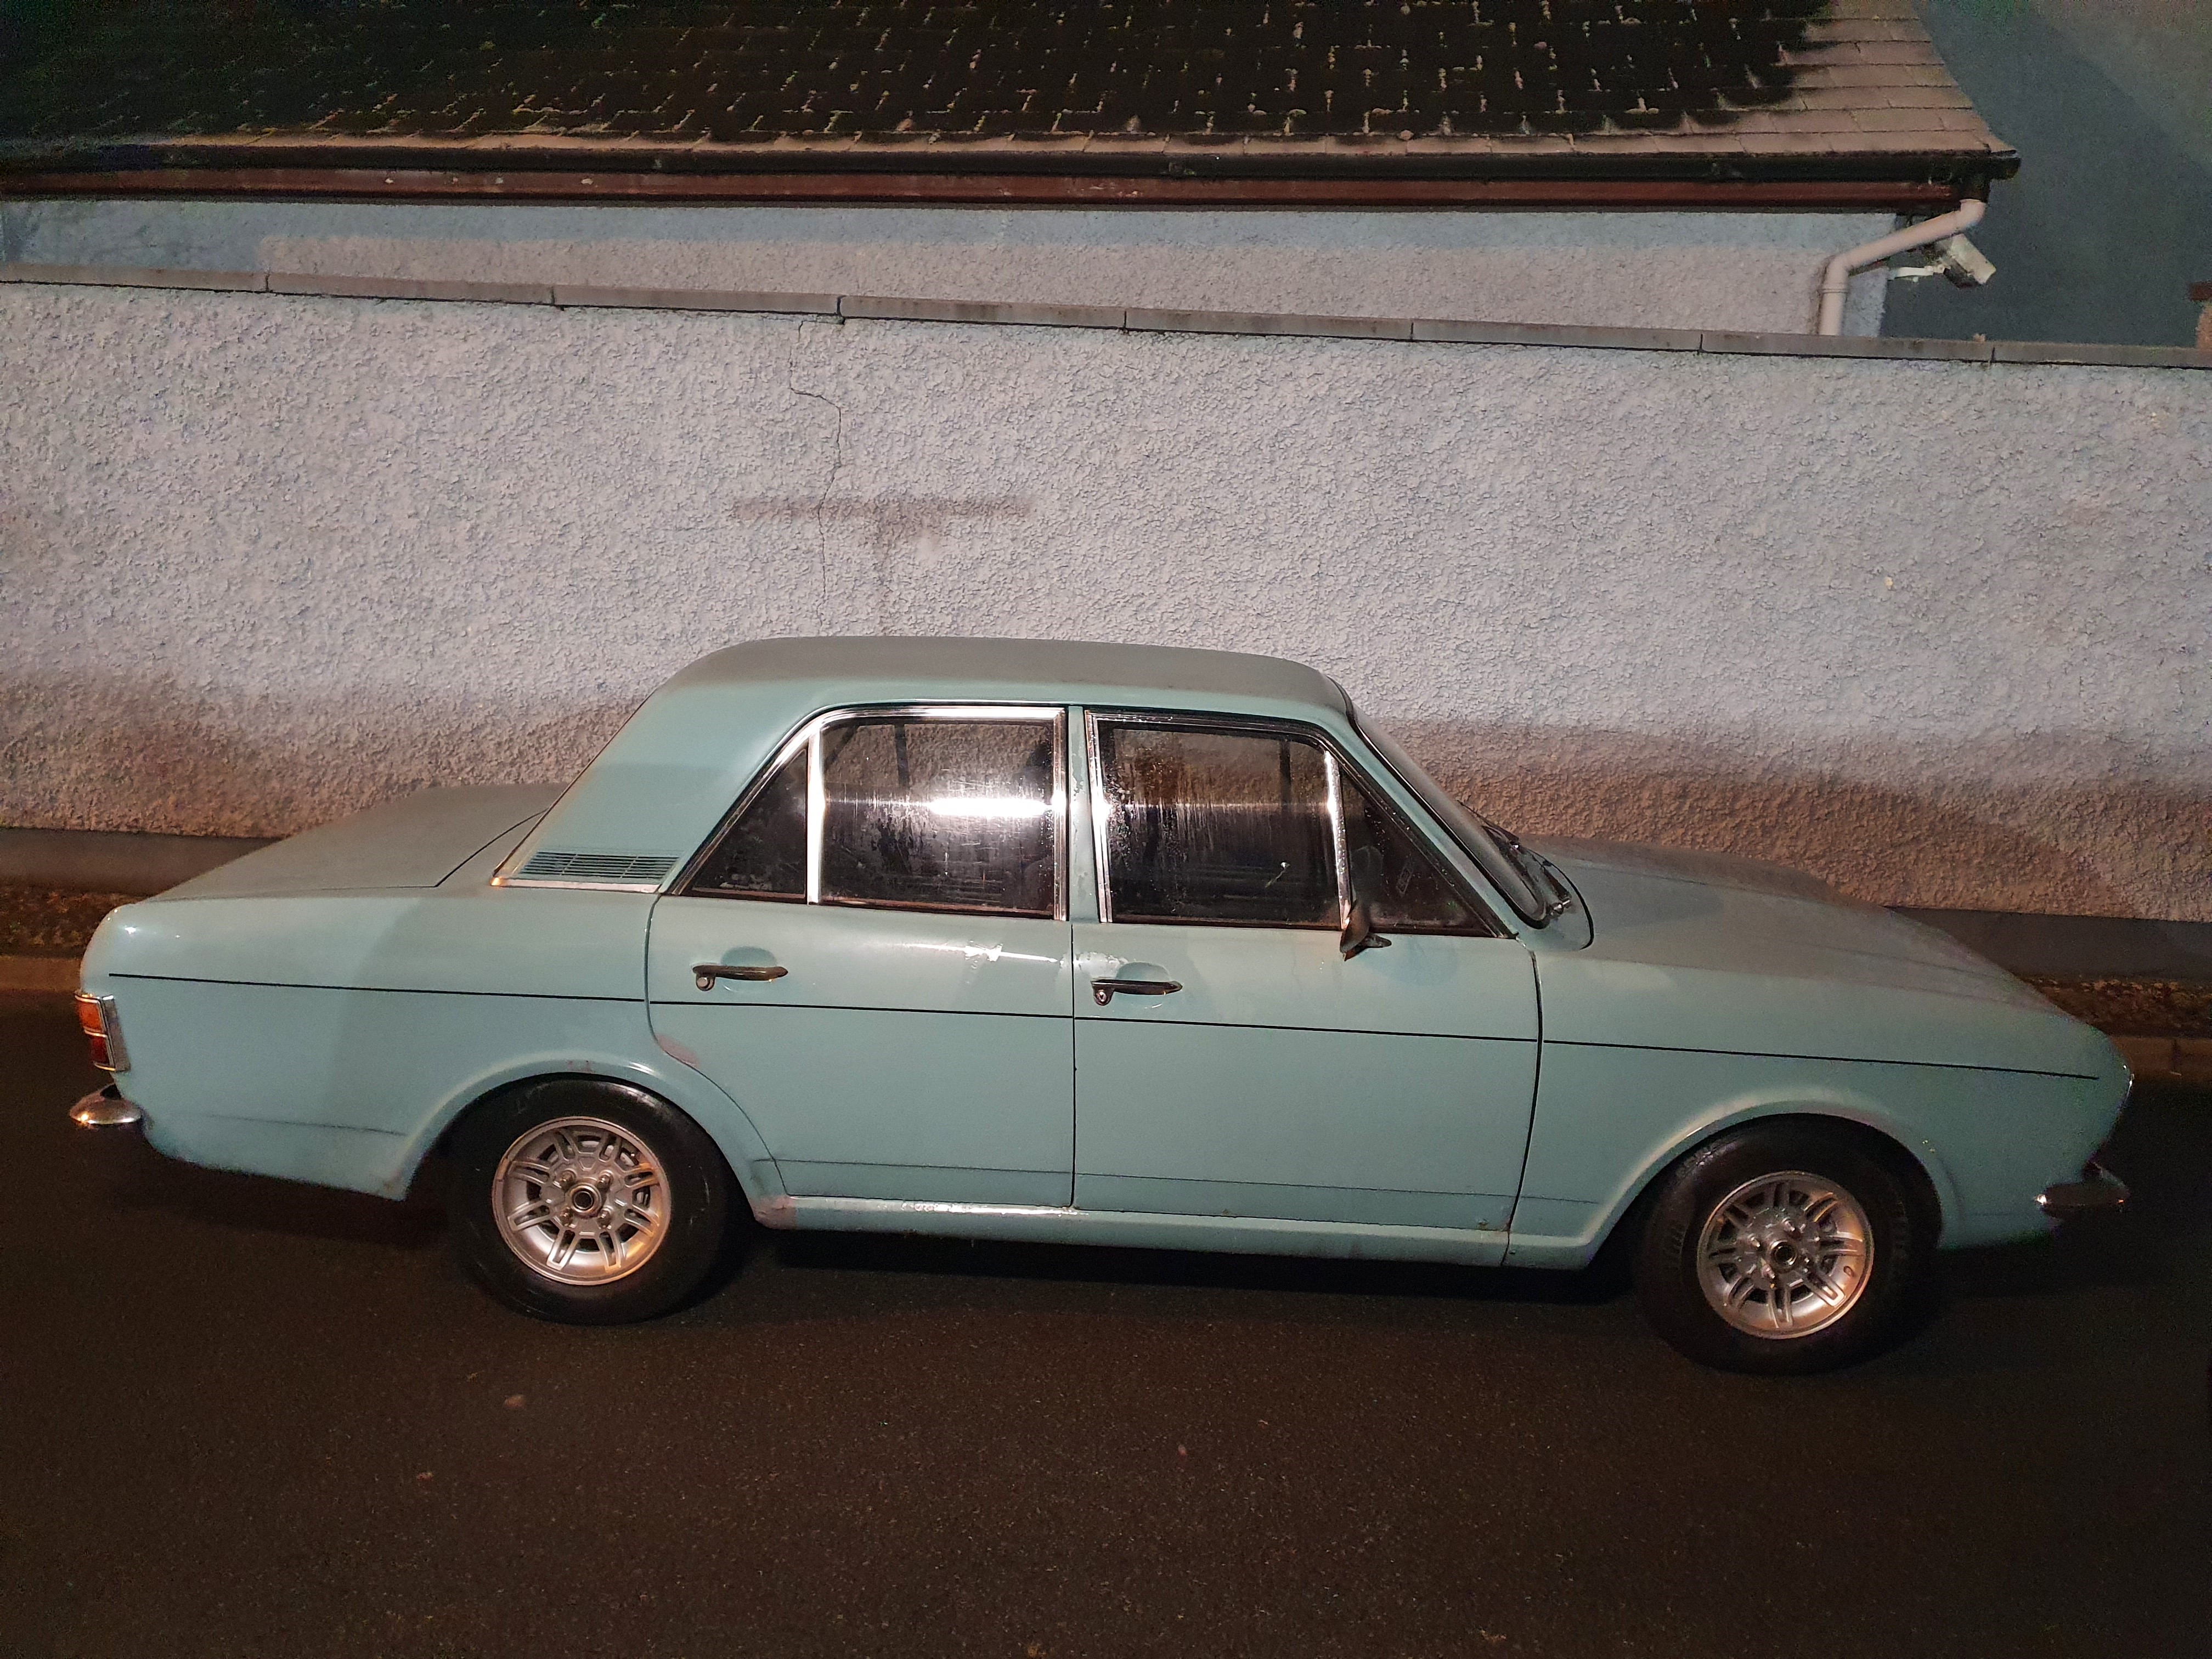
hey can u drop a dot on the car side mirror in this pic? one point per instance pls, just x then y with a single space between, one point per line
1359 932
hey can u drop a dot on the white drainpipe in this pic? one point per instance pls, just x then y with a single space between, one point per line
1838 277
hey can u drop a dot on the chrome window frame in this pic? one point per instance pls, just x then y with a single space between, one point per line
1483 923
808 739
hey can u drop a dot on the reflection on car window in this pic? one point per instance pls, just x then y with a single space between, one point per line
764 853
1217 826
939 814
1404 888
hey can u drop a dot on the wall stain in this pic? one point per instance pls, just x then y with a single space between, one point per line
891 522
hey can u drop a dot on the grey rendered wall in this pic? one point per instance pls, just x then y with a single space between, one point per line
1936 630
1752 271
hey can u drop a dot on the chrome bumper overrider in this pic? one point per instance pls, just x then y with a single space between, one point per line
2098 1192
105 1109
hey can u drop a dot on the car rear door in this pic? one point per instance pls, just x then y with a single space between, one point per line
1279 1076
873 958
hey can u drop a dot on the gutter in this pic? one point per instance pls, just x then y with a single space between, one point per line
1836 278
1716 169
527 184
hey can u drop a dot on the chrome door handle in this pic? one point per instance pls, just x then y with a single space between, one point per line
1101 990
706 972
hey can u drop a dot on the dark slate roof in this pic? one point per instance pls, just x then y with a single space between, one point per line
1464 87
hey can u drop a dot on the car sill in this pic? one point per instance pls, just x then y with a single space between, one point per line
1258 1235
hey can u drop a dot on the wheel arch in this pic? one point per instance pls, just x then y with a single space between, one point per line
1883 1138
751 1170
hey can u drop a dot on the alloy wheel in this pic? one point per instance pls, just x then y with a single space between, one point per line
582 1200
1785 1255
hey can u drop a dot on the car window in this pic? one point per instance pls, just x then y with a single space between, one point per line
1405 888
1217 826
939 814
1515 875
764 855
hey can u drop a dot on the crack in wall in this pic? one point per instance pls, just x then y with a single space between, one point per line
829 484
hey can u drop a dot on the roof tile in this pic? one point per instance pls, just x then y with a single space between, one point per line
944 87
1926 98
1899 120
1897 51
1826 71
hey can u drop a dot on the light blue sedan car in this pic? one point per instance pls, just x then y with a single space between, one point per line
1108 945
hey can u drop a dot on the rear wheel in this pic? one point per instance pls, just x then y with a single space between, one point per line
1786 1249
585 1201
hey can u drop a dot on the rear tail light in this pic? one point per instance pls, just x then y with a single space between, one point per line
97 1016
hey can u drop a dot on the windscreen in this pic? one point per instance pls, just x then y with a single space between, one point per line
1516 872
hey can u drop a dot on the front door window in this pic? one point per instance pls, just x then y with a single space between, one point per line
1218 826
1261 827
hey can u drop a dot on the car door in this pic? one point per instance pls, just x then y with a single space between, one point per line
1231 1058
872 957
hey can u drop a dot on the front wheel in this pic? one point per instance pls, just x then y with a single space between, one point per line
585 1201
1782 1249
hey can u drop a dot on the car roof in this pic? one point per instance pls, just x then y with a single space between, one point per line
1033 671
657 790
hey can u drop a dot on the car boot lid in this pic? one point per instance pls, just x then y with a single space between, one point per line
416 841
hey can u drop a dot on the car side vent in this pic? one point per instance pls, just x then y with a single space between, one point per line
624 867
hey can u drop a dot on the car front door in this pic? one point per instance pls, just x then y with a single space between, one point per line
873 958
1232 1059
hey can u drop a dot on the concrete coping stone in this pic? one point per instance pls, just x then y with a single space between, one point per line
1723 343
1561 334
2099 356
1437 330
689 298
1232 322
239 282
882 308
411 287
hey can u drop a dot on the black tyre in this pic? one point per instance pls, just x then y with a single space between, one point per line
1783 1250
585 1201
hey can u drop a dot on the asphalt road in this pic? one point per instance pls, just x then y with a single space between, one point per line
239 1417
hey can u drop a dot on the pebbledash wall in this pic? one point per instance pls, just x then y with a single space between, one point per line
1639 270
1935 629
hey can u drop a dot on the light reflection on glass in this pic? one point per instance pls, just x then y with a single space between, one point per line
939 814
987 806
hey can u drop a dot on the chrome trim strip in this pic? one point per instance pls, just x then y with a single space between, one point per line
582 886
1063 879
1101 815
1336 834
111 1027
1160 1230
817 806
